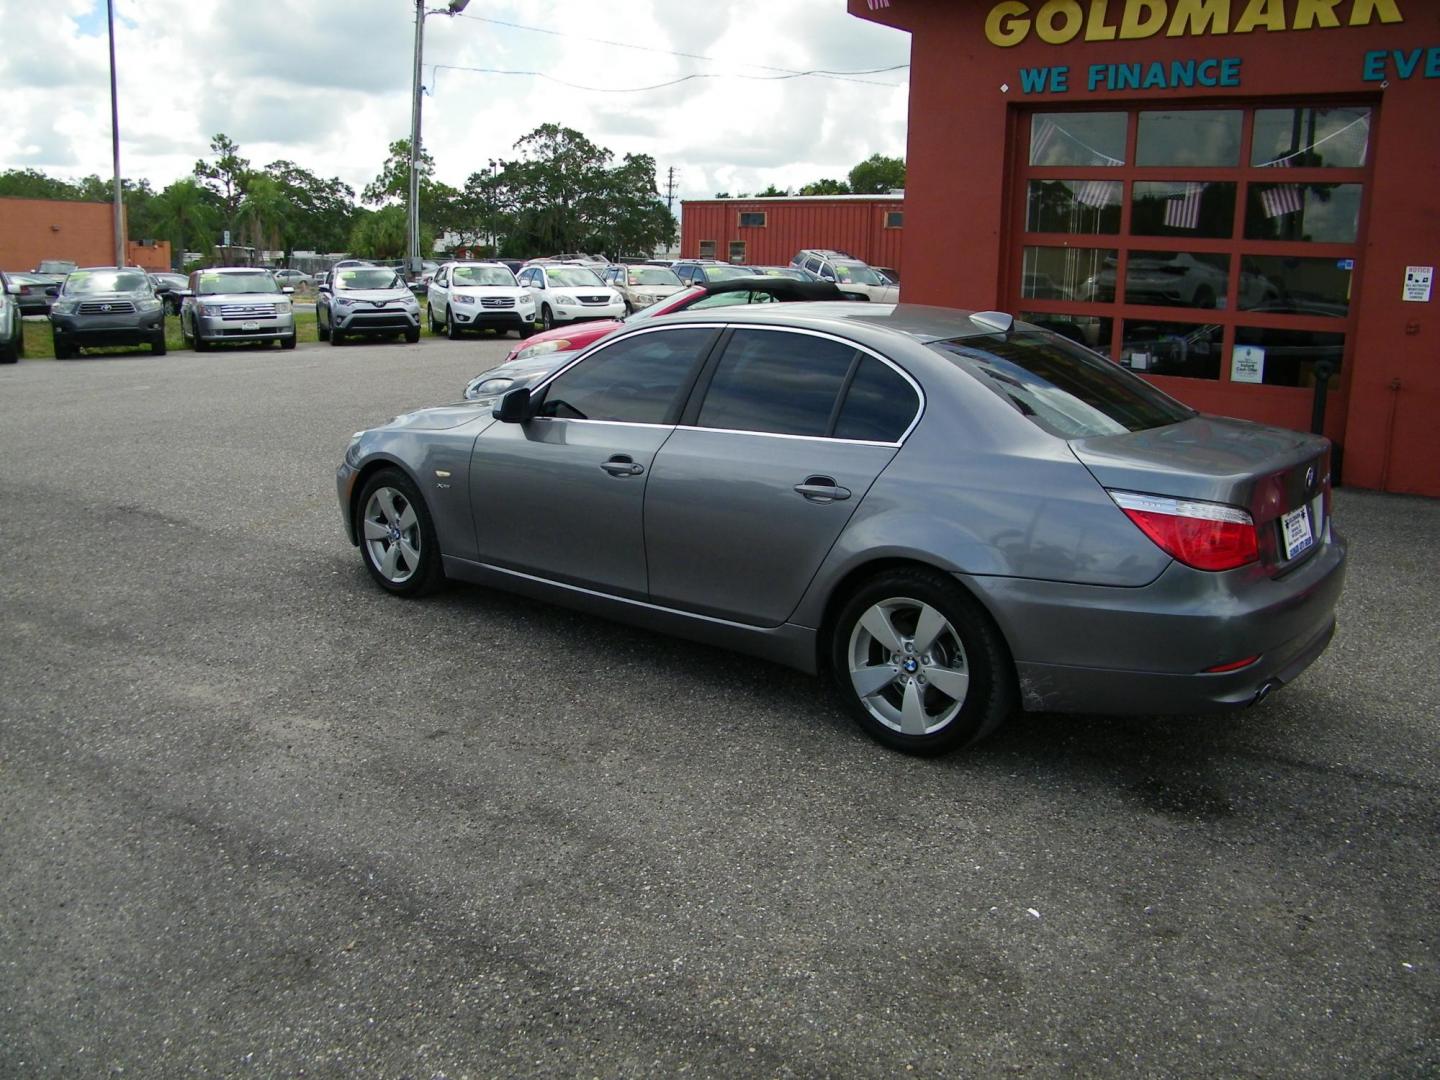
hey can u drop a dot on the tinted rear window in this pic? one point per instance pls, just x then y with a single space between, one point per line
1064 388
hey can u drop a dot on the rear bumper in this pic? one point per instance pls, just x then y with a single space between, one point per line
1147 650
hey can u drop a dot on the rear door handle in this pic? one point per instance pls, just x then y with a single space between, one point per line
621 465
822 489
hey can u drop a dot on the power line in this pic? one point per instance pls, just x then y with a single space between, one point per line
844 76
817 73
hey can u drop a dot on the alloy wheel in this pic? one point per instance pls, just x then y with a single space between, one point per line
392 535
907 666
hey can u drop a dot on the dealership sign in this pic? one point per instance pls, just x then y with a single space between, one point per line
1059 22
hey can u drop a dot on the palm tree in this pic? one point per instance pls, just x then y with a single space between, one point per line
187 217
265 214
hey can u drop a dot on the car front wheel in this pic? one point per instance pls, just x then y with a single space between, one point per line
397 535
919 663
451 330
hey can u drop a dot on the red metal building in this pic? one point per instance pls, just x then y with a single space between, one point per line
768 232
1233 197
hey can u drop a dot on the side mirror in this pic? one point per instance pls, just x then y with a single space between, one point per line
538 283
513 407
288 289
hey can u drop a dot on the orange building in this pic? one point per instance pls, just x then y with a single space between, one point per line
84 232
1234 198
768 232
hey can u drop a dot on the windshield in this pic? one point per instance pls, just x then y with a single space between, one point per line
481 275
1067 390
213 284
673 302
653 275
572 275
725 273
368 277
81 282
857 274
786 271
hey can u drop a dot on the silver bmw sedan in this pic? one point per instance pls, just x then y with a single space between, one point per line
952 515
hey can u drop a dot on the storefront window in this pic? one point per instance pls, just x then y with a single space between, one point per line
1074 206
1086 139
1189 137
1204 210
1092 331
1065 273
1185 350
1311 138
1316 213
1177 279
1284 357
1288 285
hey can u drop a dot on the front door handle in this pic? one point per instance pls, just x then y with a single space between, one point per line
822 489
621 465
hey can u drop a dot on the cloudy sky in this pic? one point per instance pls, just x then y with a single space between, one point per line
327 85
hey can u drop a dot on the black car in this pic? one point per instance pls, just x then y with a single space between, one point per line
107 305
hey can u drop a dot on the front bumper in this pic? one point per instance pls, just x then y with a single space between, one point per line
477 317
391 319
345 489
126 328
1094 649
263 328
576 312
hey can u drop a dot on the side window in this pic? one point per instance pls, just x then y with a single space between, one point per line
813 265
636 380
776 382
878 406
443 277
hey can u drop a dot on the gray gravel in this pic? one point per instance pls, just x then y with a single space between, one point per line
257 818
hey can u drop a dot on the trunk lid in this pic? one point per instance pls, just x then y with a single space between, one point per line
1280 477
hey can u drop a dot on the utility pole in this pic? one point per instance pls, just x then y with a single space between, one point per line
670 191
455 7
119 211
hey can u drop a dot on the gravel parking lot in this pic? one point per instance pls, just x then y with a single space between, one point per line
258 818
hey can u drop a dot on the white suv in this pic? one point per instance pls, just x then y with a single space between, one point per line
478 296
852 275
567 293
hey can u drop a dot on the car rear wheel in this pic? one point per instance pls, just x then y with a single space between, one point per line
397 535
920 664
451 330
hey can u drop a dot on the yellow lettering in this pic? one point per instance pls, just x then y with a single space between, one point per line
1310 13
1203 17
1267 13
1051 12
1134 24
1096 28
1004 27
1387 10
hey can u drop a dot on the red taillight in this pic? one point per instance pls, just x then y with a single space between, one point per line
1205 535
1233 666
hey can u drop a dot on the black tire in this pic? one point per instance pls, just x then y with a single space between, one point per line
201 345
428 572
967 655
413 335
547 317
288 342
526 330
322 328
10 351
430 317
158 347
451 330
63 351
336 336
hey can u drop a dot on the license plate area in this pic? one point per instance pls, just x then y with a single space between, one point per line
1296 533
252 325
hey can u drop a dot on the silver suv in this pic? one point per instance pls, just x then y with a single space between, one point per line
852 275
368 300
236 304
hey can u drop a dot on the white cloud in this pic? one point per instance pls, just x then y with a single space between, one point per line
328 87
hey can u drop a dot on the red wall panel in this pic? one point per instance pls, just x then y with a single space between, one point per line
856 225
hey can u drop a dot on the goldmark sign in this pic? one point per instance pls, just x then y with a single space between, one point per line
1059 22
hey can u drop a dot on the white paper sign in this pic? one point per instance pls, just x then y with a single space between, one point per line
1247 364
1417 283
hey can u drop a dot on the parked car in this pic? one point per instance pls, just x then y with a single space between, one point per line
236 304
701 272
12 326
951 514
293 278
171 289
320 278
889 273
847 272
107 305
641 286
478 296
360 299
36 291
567 293
545 352
57 267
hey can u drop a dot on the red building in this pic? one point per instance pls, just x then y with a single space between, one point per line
83 232
768 232
1236 198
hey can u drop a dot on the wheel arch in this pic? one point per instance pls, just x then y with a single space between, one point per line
362 477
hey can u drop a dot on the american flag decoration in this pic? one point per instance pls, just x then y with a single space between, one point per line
1182 211
1282 198
876 5
1098 193
1042 134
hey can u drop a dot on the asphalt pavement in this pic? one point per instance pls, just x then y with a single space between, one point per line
259 819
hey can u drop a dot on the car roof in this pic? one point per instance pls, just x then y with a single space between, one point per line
236 270
920 322
784 287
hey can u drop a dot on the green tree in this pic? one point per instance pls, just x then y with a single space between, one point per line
266 215
772 192
384 234
877 175
825 187
321 210
34 184
186 214
393 182
227 176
